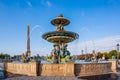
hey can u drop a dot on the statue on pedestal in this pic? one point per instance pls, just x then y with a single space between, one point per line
23 57
60 54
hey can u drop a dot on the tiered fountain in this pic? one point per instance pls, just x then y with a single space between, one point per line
60 38
59 54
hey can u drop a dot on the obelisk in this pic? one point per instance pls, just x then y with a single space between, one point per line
28 42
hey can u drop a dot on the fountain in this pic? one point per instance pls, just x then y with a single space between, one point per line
60 38
59 54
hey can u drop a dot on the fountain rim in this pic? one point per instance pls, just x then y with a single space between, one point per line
76 36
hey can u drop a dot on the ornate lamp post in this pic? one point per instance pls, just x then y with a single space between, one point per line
82 51
117 51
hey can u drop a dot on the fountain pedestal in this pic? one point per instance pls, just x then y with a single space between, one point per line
69 69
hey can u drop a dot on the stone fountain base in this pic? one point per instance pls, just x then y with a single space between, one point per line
68 69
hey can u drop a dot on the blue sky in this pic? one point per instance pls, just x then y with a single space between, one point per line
92 19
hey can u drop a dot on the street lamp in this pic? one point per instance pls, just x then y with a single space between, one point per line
82 52
118 51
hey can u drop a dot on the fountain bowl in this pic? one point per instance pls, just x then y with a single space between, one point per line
60 36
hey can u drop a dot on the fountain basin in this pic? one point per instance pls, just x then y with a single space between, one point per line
60 36
66 69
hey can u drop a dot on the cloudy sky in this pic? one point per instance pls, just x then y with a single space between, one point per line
96 21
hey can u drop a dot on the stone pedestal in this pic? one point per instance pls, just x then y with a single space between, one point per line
33 68
114 66
69 69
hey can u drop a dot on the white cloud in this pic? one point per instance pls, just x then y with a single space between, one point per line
104 44
84 29
49 3
29 3
46 3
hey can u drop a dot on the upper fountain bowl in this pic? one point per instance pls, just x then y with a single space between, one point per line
60 20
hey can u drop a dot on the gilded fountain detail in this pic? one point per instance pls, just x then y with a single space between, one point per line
60 38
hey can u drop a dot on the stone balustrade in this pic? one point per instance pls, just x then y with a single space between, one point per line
29 69
66 69
92 69
52 69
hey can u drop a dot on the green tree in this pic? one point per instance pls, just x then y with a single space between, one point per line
3 55
106 55
99 55
112 53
